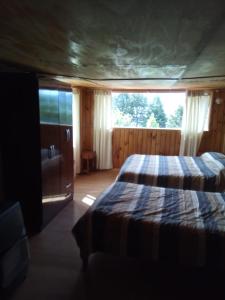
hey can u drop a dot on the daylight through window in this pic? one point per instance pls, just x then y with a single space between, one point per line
148 110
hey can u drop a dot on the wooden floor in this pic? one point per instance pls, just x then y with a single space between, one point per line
55 266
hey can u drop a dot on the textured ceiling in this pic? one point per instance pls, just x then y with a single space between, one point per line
118 44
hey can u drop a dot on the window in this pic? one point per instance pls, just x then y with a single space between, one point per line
148 110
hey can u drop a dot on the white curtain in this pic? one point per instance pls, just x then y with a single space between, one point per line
102 142
196 110
76 130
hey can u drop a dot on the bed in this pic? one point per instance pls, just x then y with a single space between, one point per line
176 226
203 173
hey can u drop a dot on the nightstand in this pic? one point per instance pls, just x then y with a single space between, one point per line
88 159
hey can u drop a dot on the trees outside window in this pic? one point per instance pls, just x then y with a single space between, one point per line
133 107
148 110
175 121
157 110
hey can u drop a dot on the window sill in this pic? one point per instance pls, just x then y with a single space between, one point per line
175 129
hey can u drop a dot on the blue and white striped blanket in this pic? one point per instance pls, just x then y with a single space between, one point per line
203 173
162 224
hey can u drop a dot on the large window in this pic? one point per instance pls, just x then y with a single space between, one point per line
148 110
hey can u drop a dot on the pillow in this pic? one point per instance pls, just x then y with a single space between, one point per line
218 155
214 155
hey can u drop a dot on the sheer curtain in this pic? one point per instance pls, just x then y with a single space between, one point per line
102 142
76 130
196 109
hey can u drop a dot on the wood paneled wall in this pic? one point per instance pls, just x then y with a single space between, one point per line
213 139
86 118
127 141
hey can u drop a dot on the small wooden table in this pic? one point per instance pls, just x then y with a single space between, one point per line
88 159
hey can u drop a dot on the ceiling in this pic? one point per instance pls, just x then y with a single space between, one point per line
152 44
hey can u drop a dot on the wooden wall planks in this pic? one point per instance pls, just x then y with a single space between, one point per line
213 139
86 119
127 141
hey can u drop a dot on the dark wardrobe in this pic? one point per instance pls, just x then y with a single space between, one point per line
36 148
56 150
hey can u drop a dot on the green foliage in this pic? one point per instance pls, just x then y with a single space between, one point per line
133 110
121 120
135 106
175 121
152 123
156 108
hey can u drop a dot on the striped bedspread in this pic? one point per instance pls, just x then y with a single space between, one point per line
200 173
161 224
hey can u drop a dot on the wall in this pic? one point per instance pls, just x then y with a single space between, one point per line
127 141
86 118
1 180
152 141
213 139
